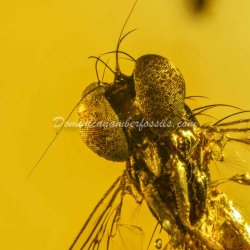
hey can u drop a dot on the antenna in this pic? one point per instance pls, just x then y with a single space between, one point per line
117 69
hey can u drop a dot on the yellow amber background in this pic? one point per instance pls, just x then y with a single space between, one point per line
44 46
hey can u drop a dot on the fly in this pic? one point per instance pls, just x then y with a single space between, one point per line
143 120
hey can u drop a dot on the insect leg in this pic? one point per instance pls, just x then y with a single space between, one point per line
234 232
159 209
243 179
183 205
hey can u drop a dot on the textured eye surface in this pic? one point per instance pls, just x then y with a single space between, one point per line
99 128
160 90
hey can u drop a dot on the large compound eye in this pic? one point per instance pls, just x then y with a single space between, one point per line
160 92
100 128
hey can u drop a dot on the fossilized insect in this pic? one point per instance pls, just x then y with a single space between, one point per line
167 163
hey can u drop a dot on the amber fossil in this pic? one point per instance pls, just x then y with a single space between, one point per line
143 120
167 163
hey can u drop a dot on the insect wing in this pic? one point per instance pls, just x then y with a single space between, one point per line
93 231
103 230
